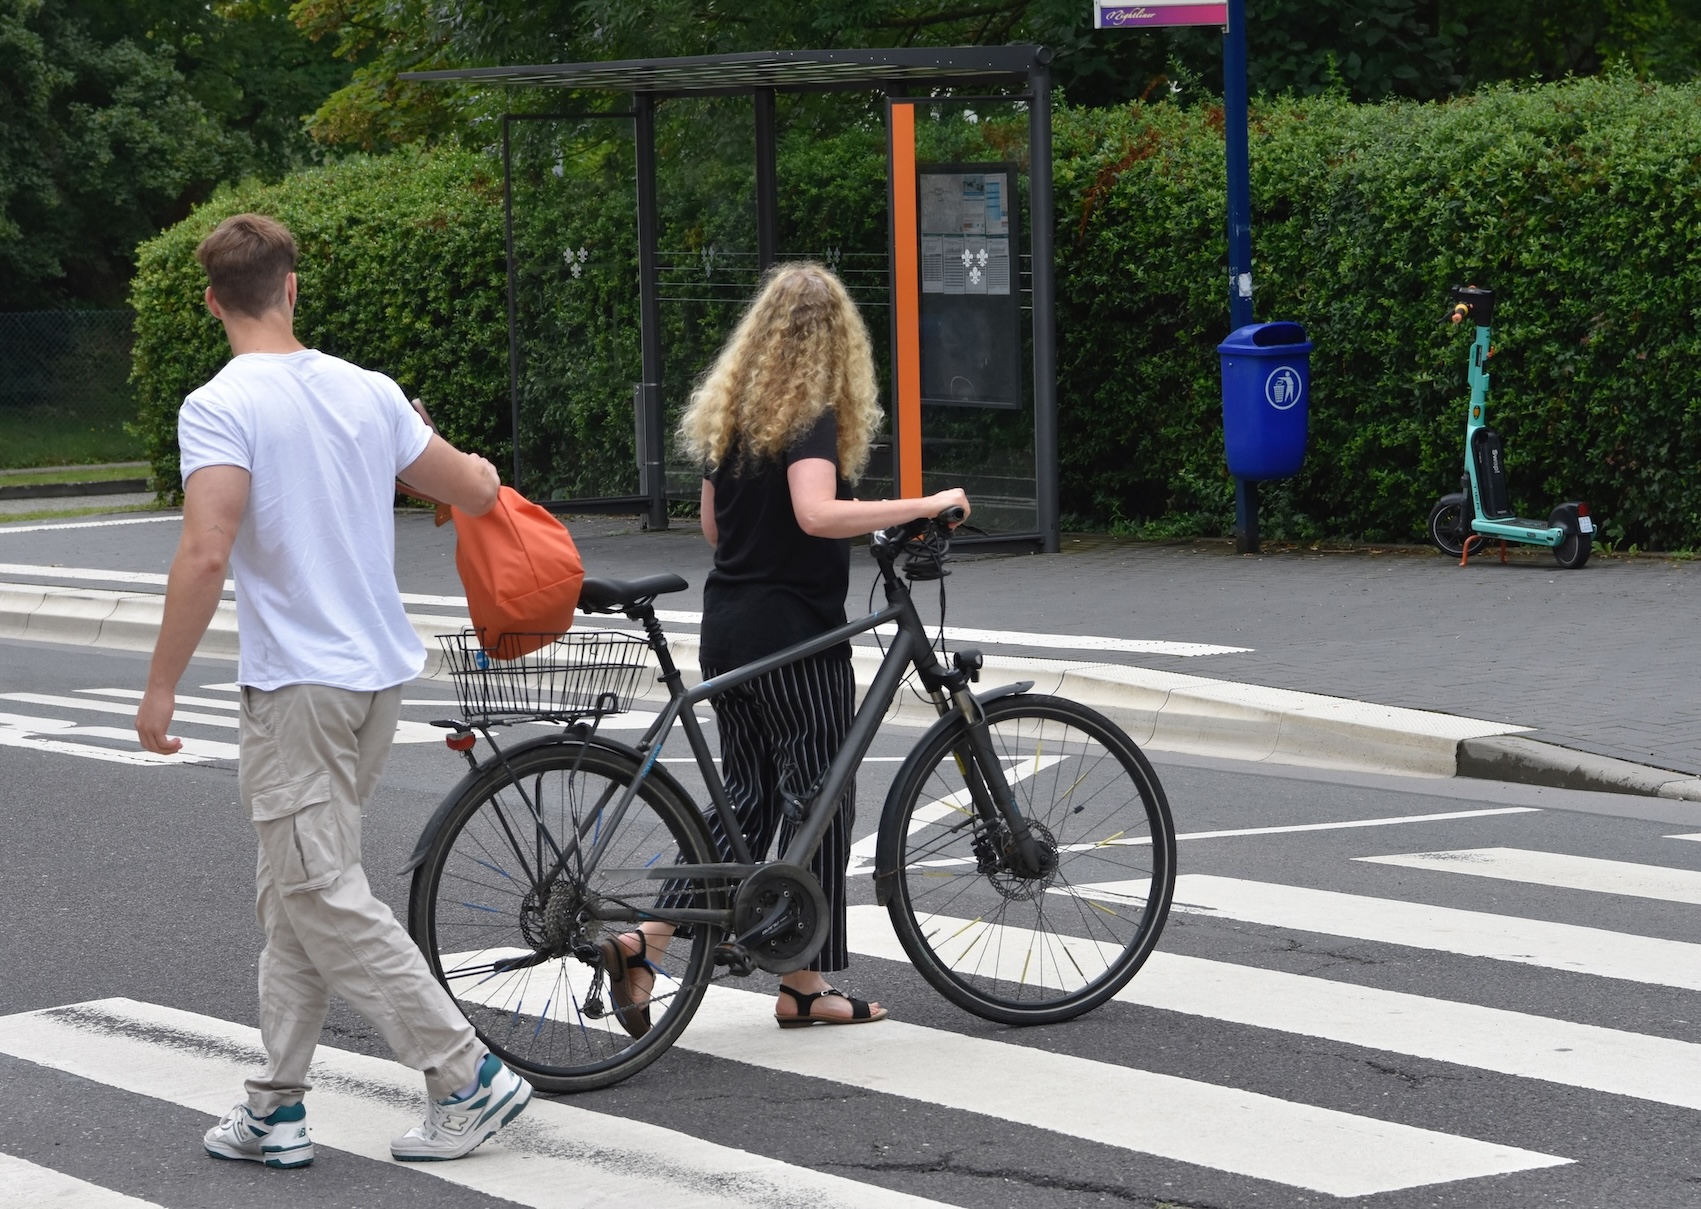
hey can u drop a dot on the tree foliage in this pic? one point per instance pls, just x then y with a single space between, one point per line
1366 50
117 115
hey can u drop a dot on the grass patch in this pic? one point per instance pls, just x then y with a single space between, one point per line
74 474
67 435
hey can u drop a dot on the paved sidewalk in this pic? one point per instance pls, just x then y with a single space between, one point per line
1598 660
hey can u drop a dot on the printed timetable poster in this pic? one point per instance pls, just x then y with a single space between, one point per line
971 338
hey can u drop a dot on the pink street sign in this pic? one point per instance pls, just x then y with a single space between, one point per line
1120 14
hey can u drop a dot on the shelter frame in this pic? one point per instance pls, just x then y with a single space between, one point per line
762 76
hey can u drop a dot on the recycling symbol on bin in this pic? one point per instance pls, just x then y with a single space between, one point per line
1282 388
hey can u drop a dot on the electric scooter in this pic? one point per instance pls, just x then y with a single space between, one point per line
1480 510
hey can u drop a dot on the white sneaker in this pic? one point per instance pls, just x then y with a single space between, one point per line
278 1140
456 1127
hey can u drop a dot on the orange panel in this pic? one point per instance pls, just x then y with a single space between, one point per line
906 257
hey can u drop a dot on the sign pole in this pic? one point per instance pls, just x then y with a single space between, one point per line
1231 15
1239 233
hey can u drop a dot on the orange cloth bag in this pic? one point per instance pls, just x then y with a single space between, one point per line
521 572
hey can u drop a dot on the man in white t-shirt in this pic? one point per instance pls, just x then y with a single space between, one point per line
290 459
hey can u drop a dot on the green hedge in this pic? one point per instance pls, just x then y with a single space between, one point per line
1579 203
401 270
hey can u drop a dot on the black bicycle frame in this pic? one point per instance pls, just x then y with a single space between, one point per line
909 648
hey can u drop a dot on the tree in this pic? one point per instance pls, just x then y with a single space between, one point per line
1365 49
117 115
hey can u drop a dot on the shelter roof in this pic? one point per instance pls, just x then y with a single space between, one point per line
782 70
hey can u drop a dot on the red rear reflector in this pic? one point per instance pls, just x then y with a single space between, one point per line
1582 510
460 742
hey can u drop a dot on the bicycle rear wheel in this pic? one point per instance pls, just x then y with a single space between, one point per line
1031 950
513 930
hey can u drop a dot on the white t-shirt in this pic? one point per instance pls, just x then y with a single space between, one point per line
314 558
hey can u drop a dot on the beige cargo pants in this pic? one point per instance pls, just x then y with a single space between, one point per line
311 757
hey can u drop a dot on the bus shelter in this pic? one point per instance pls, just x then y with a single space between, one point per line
968 280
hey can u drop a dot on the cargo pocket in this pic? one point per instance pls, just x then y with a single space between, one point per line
308 852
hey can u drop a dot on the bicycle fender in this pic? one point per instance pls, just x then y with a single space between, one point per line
886 847
439 816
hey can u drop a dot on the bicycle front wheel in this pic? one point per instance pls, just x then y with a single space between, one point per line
1031 949
510 919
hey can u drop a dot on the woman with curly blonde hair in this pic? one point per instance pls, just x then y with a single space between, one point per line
782 423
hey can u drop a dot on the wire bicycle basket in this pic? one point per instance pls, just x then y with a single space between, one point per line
567 676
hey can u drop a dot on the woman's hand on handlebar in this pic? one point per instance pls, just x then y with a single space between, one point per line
942 502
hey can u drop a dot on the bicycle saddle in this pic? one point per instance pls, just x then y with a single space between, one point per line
612 595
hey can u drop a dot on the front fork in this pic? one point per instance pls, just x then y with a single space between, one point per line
1023 852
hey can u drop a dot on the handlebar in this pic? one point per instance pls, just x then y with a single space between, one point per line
898 536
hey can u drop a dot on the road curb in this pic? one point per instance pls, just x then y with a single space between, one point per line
1530 762
1165 711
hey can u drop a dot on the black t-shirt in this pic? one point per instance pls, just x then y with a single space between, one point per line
773 585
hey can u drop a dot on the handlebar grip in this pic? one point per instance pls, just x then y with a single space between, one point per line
953 515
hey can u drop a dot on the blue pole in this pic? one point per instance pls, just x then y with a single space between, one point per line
1239 159
1239 167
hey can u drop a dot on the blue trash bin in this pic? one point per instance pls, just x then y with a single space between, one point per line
1266 399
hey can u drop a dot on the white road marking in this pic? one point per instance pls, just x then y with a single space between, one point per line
1188 1121
21 730
406 731
1621 1063
1692 835
956 634
1557 869
1347 824
130 520
1534 942
555 1150
1183 1119
25 1185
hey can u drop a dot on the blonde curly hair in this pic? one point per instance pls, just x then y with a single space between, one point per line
800 348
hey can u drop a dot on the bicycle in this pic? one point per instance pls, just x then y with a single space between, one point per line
1025 854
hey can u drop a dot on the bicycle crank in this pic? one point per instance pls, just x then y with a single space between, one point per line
779 920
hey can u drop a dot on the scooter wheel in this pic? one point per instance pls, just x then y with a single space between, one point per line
1450 525
1574 550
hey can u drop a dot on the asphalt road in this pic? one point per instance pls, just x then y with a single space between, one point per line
1517 1006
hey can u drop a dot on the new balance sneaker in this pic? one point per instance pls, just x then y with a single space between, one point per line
457 1126
278 1140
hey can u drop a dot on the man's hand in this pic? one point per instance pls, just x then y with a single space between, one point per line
153 718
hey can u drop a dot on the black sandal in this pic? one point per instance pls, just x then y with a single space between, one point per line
861 1011
634 1017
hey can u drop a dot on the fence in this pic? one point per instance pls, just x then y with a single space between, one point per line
65 395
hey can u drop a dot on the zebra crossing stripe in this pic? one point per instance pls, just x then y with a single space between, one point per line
26 1185
1557 869
1224 1128
554 1151
1535 942
1204 1124
1656 1069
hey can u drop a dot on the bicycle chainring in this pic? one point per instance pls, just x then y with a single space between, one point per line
801 929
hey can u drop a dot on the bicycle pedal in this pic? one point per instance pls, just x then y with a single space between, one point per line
736 958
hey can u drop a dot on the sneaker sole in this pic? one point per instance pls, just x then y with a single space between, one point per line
281 1161
514 1110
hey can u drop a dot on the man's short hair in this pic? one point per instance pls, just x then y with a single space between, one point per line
247 258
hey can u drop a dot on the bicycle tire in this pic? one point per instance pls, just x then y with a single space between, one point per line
1031 950
475 903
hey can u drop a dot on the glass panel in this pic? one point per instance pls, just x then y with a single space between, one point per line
576 316
988 450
